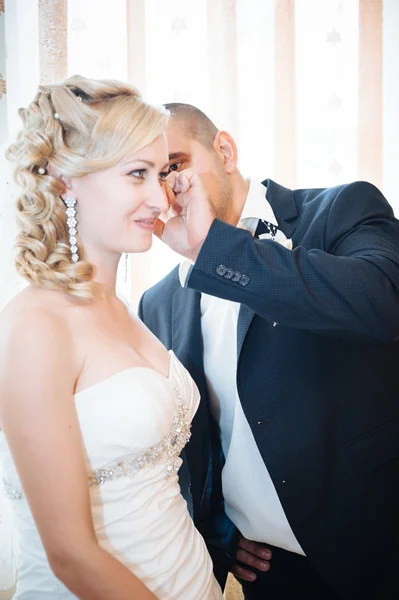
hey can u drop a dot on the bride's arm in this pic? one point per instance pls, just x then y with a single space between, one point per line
37 413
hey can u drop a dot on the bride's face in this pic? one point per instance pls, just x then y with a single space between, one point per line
117 207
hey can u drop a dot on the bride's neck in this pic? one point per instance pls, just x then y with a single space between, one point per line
105 271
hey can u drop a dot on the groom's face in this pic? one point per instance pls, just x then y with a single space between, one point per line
186 152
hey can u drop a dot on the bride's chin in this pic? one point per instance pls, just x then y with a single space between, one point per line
139 247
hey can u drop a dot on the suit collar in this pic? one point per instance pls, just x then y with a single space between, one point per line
283 204
255 206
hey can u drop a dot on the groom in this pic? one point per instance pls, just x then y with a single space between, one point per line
287 316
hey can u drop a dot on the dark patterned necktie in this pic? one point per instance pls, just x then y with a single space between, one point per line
266 227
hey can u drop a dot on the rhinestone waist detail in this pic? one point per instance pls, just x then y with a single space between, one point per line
11 493
167 451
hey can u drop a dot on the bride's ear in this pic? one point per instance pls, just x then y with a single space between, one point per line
64 178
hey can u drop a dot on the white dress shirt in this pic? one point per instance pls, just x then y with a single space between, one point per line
251 500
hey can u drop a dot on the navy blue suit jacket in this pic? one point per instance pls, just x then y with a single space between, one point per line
320 389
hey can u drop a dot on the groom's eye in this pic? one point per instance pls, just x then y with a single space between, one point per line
163 175
175 166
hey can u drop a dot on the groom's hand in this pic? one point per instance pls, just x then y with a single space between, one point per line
252 554
190 214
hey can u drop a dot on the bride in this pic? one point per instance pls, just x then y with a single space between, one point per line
94 411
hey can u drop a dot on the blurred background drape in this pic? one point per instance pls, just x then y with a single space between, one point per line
308 88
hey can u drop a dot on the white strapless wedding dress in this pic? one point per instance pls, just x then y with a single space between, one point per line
134 425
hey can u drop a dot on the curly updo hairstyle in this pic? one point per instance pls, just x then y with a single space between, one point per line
78 127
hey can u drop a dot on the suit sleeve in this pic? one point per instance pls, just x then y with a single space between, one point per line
349 287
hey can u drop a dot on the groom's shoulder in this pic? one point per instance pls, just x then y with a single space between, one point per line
162 292
318 197
341 205
304 195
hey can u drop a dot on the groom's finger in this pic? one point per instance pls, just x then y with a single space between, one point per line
192 177
252 561
175 209
168 187
183 181
179 181
171 179
173 189
187 179
244 574
159 226
255 548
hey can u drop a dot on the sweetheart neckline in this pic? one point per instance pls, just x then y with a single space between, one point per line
127 370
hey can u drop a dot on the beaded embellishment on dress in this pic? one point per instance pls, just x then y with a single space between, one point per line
167 450
11 493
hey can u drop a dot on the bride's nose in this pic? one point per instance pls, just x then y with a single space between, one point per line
158 198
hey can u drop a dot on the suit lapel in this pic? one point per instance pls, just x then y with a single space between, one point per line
245 317
188 347
282 201
186 332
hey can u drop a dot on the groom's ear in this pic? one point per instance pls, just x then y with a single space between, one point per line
226 148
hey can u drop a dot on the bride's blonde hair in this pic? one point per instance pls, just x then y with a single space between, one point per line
78 126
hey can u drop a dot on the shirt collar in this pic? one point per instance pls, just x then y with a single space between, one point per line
256 205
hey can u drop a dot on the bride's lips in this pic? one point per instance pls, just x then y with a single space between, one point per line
147 224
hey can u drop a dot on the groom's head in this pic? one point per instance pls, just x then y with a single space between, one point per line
196 143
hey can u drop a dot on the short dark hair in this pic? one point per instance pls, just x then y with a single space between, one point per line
193 122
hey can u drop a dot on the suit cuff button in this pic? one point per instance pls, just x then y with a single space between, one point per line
221 270
244 280
229 274
236 277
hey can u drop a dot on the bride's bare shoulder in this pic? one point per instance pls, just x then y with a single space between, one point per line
33 299
32 308
35 341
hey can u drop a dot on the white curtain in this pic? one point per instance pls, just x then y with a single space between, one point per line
309 89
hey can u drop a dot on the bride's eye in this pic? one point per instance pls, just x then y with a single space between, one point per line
139 173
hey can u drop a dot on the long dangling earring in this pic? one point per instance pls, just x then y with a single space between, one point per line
72 226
